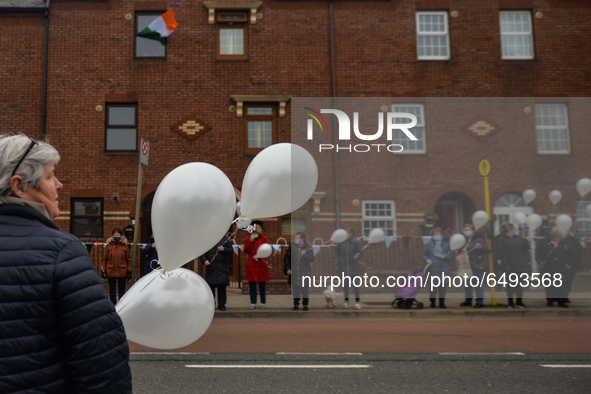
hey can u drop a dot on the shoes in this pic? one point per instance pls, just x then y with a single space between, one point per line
442 305
251 306
305 307
222 308
563 305
466 303
296 308
520 305
511 305
346 304
479 306
262 306
357 306
550 303
433 305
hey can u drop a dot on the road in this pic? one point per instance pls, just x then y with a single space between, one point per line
361 373
277 356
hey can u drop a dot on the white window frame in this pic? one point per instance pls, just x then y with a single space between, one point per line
421 124
506 207
388 218
445 33
558 129
529 34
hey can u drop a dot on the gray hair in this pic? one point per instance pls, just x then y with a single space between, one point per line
12 149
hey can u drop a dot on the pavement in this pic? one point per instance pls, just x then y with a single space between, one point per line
280 307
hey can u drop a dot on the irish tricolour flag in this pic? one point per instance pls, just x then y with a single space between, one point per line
161 27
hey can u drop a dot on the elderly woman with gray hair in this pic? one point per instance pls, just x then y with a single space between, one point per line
58 330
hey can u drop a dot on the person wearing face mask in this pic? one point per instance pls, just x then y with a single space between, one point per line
473 255
437 254
558 257
297 262
257 270
116 266
512 251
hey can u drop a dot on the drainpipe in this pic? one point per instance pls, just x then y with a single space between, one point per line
334 135
36 10
44 110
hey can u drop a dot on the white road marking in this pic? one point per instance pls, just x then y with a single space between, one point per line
167 353
271 366
565 365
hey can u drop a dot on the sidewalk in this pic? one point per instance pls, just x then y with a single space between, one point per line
280 307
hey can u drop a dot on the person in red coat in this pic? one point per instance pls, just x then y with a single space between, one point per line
116 266
257 270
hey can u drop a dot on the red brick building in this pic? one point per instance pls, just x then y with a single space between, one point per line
221 86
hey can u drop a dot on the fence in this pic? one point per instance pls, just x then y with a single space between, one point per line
402 256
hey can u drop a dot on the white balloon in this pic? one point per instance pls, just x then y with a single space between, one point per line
339 235
167 311
279 180
584 186
264 251
534 221
376 235
479 219
588 211
193 207
457 241
555 196
520 218
564 223
528 196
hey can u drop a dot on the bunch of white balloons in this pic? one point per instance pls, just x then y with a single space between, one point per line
193 207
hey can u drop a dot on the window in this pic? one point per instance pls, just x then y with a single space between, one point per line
232 37
260 124
121 128
516 35
432 36
506 207
398 136
86 219
583 223
552 128
148 47
379 214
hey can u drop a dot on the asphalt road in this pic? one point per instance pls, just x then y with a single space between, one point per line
361 373
275 356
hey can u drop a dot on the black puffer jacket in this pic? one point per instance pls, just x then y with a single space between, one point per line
58 331
217 274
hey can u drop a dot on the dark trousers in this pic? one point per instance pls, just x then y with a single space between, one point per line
113 284
252 286
221 294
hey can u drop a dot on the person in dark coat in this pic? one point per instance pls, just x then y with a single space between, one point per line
558 257
59 333
512 251
437 255
475 251
257 270
151 254
297 263
217 268
347 255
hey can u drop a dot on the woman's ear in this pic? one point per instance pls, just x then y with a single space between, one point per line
16 184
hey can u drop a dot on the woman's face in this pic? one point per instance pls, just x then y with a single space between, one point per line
47 193
512 232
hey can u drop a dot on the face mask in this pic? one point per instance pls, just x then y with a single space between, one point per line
554 236
117 239
297 241
256 235
437 238
467 233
